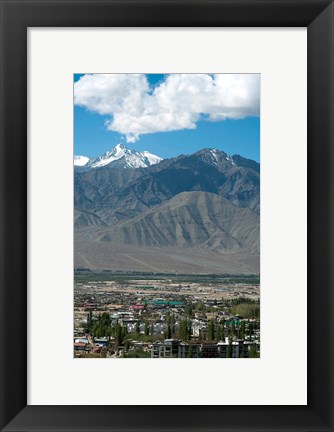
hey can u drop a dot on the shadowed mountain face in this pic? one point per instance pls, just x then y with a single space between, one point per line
206 202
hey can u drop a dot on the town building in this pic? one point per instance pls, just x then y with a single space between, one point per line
169 348
189 350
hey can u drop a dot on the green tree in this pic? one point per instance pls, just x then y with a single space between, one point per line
147 329
211 330
169 332
229 348
228 328
137 353
233 328
138 327
242 330
246 308
253 353
250 330
184 330
169 329
101 326
125 330
200 306
89 322
172 324
119 335
218 332
223 330
188 310
189 329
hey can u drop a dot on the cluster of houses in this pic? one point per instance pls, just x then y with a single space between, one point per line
173 348
131 319
168 348
85 344
152 324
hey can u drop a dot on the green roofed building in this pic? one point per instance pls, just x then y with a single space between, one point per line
161 302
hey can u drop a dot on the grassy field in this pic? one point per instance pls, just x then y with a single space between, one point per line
128 277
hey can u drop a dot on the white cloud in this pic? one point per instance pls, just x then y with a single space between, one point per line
177 103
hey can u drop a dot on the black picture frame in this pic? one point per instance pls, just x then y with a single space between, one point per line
16 17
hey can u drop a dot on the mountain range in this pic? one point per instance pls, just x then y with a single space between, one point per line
197 213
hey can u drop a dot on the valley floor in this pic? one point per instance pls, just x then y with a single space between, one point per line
97 255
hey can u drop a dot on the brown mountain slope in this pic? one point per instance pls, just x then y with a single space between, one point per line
190 219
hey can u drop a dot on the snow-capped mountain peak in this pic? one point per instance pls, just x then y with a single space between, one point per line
121 157
81 160
153 159
112 155
120 149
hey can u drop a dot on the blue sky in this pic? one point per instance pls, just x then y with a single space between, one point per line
92 136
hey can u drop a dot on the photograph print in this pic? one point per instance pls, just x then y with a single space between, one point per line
166 215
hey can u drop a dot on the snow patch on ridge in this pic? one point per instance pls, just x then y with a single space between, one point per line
81 160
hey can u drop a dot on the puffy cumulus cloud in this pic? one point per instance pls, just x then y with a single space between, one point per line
178 102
